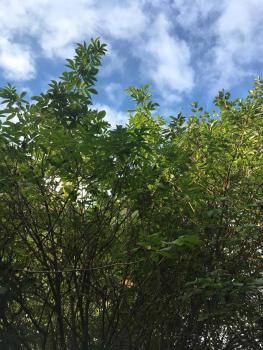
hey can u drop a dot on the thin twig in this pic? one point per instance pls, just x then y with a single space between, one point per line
77 269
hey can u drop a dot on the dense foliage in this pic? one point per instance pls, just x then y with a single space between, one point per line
143 236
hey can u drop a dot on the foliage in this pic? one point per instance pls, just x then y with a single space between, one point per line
142 236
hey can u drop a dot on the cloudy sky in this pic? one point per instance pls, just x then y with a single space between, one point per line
186 49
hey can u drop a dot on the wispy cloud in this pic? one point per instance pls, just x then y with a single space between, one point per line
239 43
180 46
113 116
16 60
225 38
55 26
114 92
166 60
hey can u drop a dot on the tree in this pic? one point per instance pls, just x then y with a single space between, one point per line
143 236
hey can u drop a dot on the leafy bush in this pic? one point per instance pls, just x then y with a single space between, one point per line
143 236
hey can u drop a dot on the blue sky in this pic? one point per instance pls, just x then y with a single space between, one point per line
186 49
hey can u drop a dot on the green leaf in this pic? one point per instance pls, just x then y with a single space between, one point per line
187 240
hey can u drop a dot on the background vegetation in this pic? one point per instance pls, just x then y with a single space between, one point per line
143 236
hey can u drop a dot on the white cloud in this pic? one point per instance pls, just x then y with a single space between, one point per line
113 116
167 60
125 21
175 42
16 60
114 62
225 38
239 42
114 92
26 89
190 14
57 25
